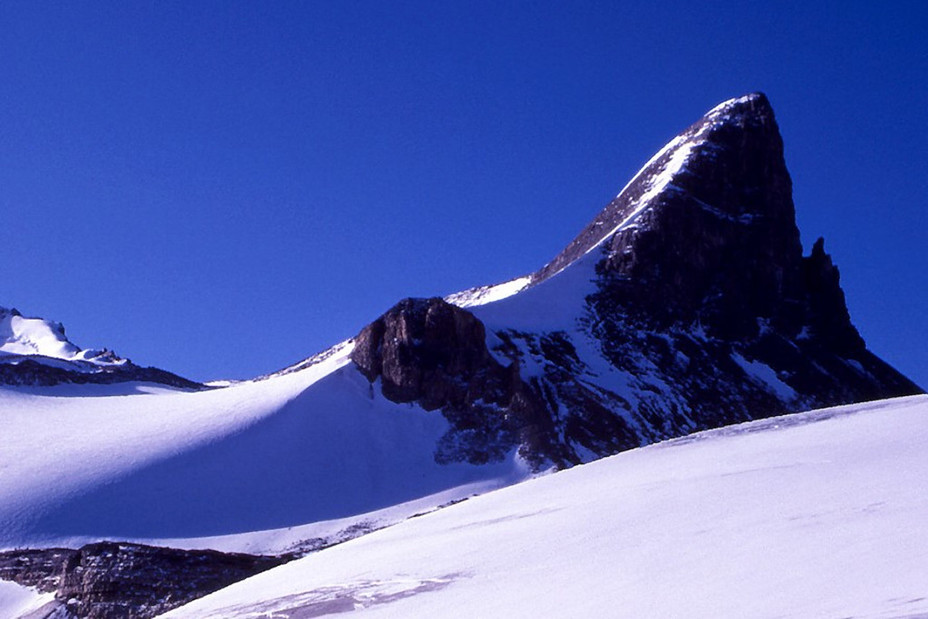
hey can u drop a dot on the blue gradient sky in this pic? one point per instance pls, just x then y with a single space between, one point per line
223 188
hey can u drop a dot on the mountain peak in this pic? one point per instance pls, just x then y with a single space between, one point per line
36 351
22 336
740 133
752 104
713 237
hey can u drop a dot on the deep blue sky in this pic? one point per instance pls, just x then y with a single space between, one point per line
224 188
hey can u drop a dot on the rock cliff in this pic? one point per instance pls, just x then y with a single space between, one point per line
132 581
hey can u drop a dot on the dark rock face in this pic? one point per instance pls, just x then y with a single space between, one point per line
434 353
826 311
428 351
32 372
705 313
108 580
35 568
714 266
719 244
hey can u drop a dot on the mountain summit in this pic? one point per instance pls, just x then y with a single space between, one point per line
729 164
706 232
685 304
36 351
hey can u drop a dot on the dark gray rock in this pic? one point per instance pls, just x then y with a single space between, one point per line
108 580
29 371
426 350
39 568
434 353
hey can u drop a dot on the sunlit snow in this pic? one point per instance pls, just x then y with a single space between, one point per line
488 294
21 336
819 514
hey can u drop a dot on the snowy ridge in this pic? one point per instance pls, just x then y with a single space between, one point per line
675 153
482 295
36 337
654 178
722 111
674 157
342 351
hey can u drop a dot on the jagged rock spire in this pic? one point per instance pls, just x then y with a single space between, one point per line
708 231
746 124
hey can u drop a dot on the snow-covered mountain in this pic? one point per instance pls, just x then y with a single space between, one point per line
685 305
31 337
35 351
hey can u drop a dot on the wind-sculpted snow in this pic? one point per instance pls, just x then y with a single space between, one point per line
812 515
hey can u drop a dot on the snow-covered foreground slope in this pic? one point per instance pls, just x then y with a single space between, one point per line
227 468
819 514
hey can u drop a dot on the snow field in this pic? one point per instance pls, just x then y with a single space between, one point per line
819 514
237 468
19 601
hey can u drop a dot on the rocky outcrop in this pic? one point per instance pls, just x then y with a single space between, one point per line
119 580
39 568
434 353
826 312
431 352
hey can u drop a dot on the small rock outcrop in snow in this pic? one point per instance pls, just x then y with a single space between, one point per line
108 579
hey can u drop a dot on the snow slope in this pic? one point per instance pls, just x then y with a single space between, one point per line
234 468
818 514
18 601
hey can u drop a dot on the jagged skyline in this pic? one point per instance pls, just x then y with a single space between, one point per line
257 183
